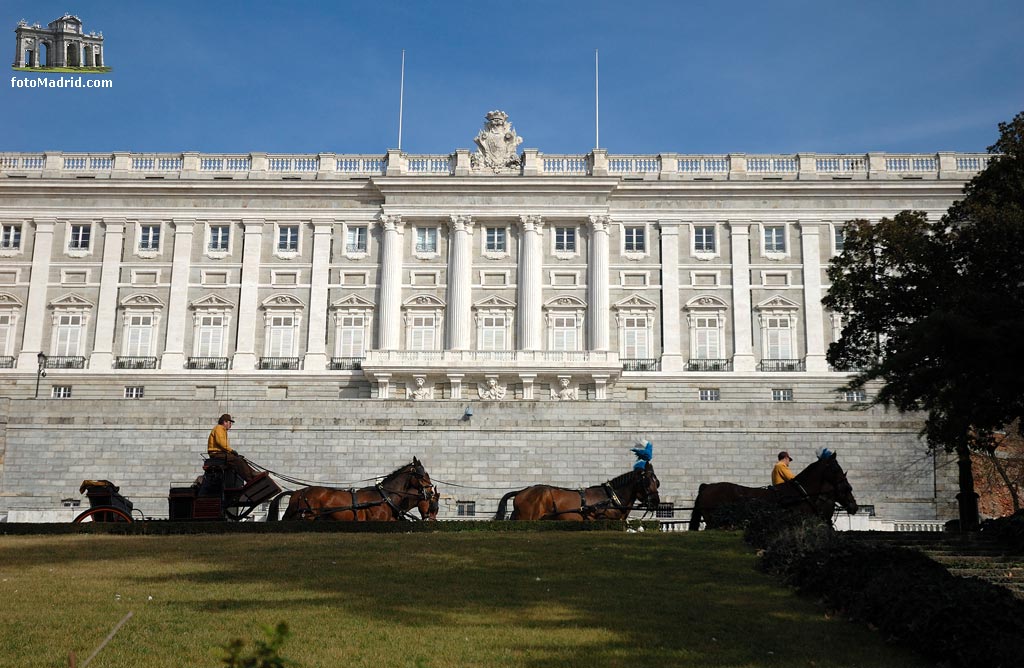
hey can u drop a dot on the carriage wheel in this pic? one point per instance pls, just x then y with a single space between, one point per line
103 514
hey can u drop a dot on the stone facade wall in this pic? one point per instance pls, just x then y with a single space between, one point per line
144 446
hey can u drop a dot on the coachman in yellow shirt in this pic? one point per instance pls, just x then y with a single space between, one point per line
217 446
781 472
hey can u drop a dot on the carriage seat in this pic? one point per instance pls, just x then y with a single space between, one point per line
105 493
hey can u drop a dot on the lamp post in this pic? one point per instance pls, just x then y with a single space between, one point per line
41 371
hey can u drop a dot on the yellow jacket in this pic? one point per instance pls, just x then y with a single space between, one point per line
781 473
217 443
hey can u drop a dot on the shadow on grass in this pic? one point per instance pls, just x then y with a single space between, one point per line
567 599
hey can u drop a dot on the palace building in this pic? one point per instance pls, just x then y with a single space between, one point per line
506 315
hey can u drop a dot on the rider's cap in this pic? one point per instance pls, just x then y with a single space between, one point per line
225 418
784 455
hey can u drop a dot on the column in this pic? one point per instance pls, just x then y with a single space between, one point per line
35 306
460 279
391 283
597 284
316 341
814 317
671 339
106 308
742 332
177 301
248 297
531 258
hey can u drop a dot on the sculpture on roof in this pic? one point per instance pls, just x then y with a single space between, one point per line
498 143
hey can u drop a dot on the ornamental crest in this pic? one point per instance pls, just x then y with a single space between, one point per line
498 143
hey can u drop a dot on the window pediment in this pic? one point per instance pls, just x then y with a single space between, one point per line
423 301
281 300
494 302
71 301
777 302
211 301
634 302
142 300
566 301
9 300
706 301
352 301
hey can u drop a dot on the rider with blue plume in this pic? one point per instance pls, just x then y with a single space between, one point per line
643 454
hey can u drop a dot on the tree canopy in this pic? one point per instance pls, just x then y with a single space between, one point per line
934 310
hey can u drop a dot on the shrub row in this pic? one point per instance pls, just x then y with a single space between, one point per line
1008 531
903 593
167 528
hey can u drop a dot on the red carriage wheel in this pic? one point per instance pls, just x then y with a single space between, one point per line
103 514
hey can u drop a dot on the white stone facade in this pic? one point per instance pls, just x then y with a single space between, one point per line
589 279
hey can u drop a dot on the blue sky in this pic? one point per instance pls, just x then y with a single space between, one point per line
680 76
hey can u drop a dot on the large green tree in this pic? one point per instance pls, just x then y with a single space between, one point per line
934 311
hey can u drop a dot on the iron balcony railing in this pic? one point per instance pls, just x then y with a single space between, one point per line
134 362
641 364
65 362
6 362
279 364
781 365
709 364
346 364
208 363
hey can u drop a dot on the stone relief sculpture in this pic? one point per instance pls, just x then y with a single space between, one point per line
498 143
491 390
419 391
565 392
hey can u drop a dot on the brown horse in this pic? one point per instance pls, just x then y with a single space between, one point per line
389 500
611 501
815 490
429 503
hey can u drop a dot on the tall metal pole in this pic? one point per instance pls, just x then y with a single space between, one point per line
401 101
597 105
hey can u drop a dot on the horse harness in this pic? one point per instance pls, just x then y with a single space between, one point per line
586 509
385 499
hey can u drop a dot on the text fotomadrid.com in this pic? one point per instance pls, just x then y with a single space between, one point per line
62 82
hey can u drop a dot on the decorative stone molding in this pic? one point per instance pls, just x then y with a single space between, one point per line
565 391
491 389
498 143
418 390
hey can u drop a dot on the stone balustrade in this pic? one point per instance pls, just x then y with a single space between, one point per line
663 166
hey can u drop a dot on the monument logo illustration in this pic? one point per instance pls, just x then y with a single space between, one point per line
62 46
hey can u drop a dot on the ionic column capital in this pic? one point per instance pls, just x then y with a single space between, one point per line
459 223
599 222
391 223
531 223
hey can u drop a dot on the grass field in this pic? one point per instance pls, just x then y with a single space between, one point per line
418 600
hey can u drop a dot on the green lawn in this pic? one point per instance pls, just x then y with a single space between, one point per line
419 600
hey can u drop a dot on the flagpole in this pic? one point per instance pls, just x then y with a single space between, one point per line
401 101
597 105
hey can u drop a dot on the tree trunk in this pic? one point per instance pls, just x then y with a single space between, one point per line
967 498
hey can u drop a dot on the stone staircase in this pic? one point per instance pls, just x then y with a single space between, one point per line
965 555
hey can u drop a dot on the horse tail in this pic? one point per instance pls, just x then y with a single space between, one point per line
275 504
500 514
695 516
292 511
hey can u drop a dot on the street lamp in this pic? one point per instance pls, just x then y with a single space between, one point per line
41 371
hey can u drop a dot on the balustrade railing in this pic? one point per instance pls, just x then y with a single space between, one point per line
476 357
709 364
666 165
6 362
641 365
345 363
781 365
131 362
65 362
279 364
208 363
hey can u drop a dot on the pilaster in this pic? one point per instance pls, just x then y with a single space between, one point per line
316 341
531 257
460 267
671 339
597 284
391 282
814 319
35 307
248 296
113 240
177 304
743 341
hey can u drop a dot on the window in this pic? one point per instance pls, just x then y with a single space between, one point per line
495 241
134 391
68 337
138 335
855 396
704 239
775 239
706 337
466 508
351 336
778 339
634 239
149 237
709 394
782 394
665 511
6 333
10 238
210 339
421 332
565 239
563 332
634 338
288 238
61 392
281 339
493 332
79 238
426 239
220 235
355 239
838 239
